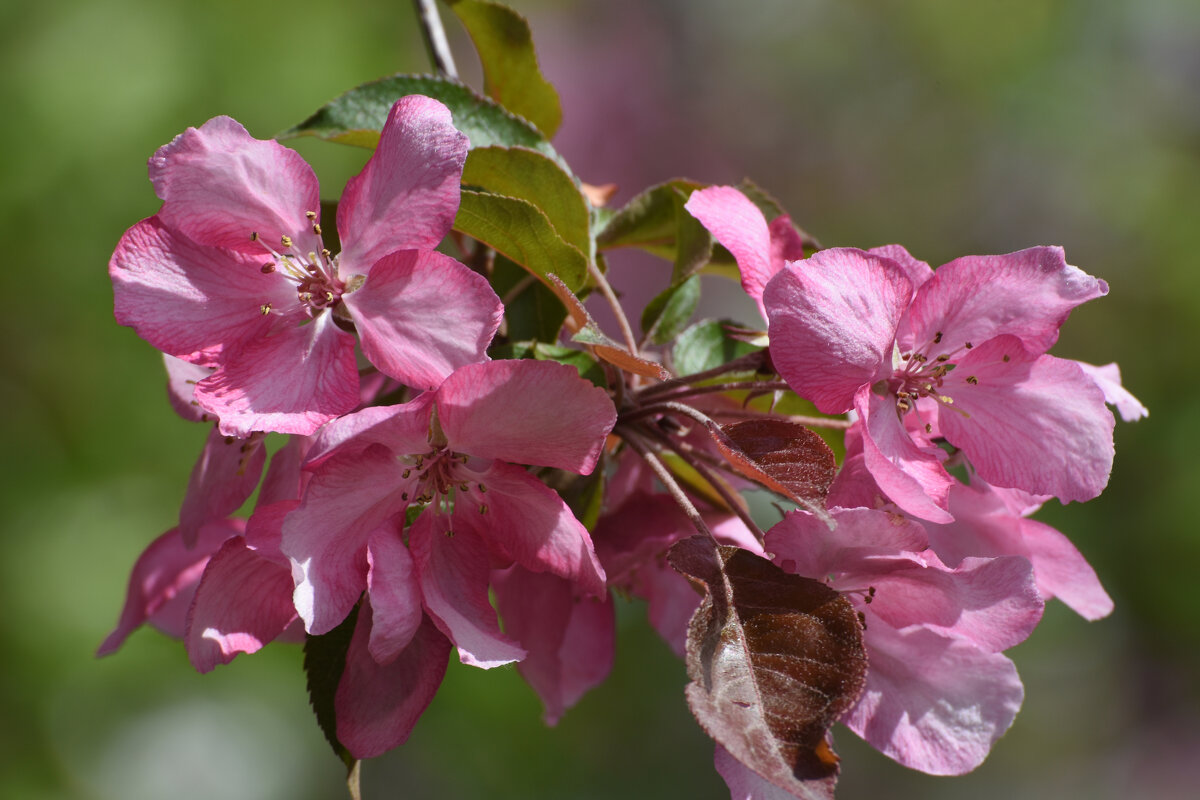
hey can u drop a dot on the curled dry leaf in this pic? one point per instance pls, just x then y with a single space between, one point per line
774 660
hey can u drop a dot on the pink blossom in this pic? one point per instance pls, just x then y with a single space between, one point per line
232 274
958 354
454 453
939 692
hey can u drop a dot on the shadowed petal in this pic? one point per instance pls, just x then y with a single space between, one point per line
377 705
910 476
740 227
226 473
394 591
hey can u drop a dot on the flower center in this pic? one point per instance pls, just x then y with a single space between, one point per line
919 374
441 473
315 275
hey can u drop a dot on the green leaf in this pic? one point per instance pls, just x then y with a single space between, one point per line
667 314
529 175
324 661
521 232
589 368
357 117
649 221
510 68
532 311
707 345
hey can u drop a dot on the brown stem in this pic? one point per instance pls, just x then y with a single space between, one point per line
634 439
435 37
611 297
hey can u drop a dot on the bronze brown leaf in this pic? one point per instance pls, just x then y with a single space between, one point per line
774 660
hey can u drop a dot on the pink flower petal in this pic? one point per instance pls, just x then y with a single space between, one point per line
406 196
377 705
918 271
401 428
910 476
219 184
242 603
1108 378
786 244
326 537
284 479
740 227
182 378
163 581
264 529
833 321
421 315
1028 294
1032 422
1063 572
292 381
454 573
931 702
529 523
395 594
187 300
526 412
803 544
569 639
225 475
746 784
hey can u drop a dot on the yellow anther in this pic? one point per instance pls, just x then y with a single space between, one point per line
265 308
285 240
316 229
968 345
267 269
1006 358
943 357
310 214
937 338
254 236
483 508
971 379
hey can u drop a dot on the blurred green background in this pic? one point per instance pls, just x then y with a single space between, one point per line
950 127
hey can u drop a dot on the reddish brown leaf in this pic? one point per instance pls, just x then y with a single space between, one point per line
774 660
783 456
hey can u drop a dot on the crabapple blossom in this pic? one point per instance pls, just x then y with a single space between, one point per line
452 453
232 273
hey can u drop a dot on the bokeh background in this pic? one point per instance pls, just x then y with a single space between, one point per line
950 127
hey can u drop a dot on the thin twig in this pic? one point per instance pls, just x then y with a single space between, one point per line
634 439
517 288
435 37
730 386
668 407
811 422
749 360
623 321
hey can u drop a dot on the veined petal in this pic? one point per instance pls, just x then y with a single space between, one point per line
528 522
377 705
421 315
1031 422
163 581
291 381
1108 378
1028 294
182 378
740 227
804 545
406 196
187 300
219 184
912 477
454 572
570 639
224 476
401 428
833 322
394 591
933 703
242 603
326 537
917 270
526 412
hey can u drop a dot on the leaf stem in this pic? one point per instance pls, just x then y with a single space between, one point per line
749 361
610 296
435 37
729 386
634 439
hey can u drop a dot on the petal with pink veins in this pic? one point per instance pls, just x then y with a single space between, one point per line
394 591
1028 294
933 703
243 602
326 537
527 521
1031 422
401 428
421 315
1108 378
740 227
454 571
164 580
190 301
219 184
407 195
526 412
292 381
833 323
377 705
746 784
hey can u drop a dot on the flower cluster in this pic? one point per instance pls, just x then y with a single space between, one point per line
450 484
